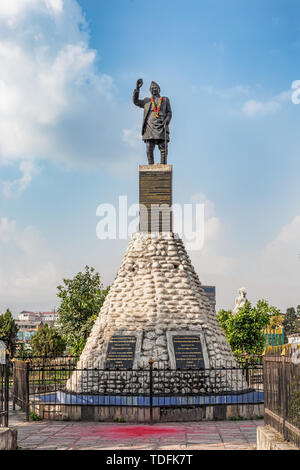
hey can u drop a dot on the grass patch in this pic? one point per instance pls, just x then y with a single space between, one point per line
34 417
238 418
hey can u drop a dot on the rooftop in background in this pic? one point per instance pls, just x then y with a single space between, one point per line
38 316
28 323
210 291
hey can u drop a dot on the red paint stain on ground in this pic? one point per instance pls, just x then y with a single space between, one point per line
126 432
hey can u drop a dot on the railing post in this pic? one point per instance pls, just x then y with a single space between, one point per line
69 366
284 397
247 370
6 391
14 387
27 368
151 389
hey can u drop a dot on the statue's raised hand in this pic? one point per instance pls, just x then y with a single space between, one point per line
139 83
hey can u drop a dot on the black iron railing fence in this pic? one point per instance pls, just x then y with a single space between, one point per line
282 391
62 382
4 393
20 385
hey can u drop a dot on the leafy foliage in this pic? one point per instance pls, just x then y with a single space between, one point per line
276 321
47 342
81 300
244 330
294 402
23 352
34 417
8 331
291 321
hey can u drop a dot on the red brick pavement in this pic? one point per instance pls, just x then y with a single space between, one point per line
212 435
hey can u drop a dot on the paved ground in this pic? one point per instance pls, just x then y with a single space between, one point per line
214 435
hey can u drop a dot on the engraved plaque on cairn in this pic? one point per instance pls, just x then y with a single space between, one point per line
120 352
188 352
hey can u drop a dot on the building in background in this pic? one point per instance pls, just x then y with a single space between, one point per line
37 317
26 315
294 338
27 329
210 292
29 322
49 317
274 336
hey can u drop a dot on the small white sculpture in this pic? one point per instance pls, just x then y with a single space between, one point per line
240 300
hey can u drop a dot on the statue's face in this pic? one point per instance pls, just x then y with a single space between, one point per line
155 90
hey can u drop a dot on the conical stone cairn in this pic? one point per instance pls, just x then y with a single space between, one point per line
156 302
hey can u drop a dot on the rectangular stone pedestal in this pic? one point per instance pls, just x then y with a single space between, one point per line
155 198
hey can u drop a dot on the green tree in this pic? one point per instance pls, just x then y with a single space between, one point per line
291 322
8 331
23 352
47 342
276 321
244 330
297 322
81 300
223 317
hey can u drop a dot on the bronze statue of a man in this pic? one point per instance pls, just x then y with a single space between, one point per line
157 116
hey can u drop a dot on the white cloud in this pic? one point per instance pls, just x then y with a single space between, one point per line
7 228
53 102
272 273
55 5
15 8
252 107
235 91
210 259
28 270
132 137
13 188
281 257
209 207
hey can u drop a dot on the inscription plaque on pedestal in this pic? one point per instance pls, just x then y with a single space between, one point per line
120 352
155 198
188 352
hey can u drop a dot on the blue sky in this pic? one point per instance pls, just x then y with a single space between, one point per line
69 137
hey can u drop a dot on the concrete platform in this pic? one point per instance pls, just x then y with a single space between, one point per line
8 439
217 435
269 439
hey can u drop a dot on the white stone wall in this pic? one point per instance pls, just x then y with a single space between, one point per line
156 290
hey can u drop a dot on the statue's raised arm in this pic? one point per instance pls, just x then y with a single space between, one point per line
136 94
157 116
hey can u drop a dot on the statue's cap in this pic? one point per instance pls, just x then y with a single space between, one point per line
154 84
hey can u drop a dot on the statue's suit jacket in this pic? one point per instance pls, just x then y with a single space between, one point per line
165 109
